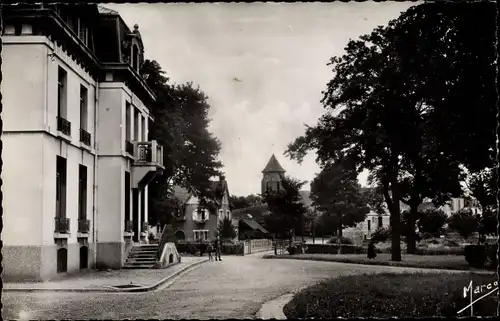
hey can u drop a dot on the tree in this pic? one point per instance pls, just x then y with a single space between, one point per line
286 207
181 127
432 222
238 202
226 229
390 97
463 222
337 194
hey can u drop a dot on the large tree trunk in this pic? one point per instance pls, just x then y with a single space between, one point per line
394 209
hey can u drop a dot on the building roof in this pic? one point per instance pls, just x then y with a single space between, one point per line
273 166
104 10
254 225
181 193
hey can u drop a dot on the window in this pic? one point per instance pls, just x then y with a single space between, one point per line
200 235
144 129
128 131
127 196
202 213
369 225
136 123
60 187
277 186
61 93
267 187
380 222
82 192
221 214
83 31
228 214
83 107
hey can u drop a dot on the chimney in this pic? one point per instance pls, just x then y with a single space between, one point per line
222 178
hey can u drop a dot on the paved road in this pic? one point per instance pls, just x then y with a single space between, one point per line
233 288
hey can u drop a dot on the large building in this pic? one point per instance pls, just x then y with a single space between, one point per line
77 157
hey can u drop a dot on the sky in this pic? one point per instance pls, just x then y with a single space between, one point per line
263 67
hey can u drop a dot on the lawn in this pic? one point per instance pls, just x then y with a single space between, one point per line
393 295
452 262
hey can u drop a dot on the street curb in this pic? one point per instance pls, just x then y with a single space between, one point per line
274 309
267 257
110 289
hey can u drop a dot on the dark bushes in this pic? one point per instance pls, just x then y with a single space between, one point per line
332 249
343 240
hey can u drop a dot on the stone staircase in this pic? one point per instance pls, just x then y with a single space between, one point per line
141 256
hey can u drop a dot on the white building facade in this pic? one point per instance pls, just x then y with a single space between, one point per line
77 156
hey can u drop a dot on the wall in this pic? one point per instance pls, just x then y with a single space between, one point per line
272 178
31 145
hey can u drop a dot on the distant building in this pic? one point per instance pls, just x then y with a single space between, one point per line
195 222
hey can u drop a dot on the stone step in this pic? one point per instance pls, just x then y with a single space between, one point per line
142 255
141 259
142 266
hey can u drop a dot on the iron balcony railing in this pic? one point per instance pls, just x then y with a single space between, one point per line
62 225
129 147
144 226
148 152
83 226
84 137
129 226
63 126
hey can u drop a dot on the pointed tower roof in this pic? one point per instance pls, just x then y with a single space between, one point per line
273 166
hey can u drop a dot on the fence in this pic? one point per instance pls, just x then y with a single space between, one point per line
260 245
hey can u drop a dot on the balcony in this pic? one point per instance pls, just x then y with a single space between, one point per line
61 225
64 126
85 137
83 226
148 163
129 147
129 226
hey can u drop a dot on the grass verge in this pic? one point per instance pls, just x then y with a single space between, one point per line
393 295
447 262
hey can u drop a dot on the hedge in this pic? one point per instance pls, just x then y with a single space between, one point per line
194 248
333 248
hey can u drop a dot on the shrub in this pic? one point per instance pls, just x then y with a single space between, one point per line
292 250
333 249
388 295
475 255
491 252
343 240
463 222
450 243
381 234
431 222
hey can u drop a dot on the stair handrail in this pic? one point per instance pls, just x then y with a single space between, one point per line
162 242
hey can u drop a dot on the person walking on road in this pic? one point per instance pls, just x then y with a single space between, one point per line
210 250
218 247
371 253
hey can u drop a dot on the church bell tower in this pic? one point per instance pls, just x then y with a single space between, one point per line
272 176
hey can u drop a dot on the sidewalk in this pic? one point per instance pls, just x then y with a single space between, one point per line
140 280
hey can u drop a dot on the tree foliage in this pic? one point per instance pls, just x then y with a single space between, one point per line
181 127
286 207
336 193
432 222
226 228
400 105
238 202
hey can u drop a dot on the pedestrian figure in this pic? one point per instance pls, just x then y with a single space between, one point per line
371 250
210 250
217 248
